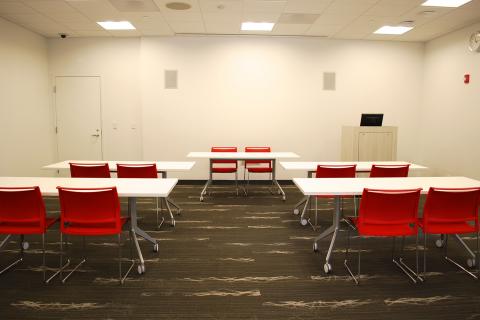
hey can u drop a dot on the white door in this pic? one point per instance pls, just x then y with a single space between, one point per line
79 118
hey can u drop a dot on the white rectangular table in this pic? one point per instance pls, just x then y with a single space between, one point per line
129 188
311 167
162 167
242 156
354 186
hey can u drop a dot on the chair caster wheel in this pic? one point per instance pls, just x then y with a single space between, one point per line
327 268
471 262
303 222
141 269
155 247
172 223
439 243
315 247
25 245
296 211
279 192
201 199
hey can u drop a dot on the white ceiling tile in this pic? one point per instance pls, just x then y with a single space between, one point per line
50 6
14 7
183 16
265 6
219 18
96 10
307 6
260 17
349 19
88 33
134 6
222 28
327 30
187 27
125 33
290 29
221 6
389 10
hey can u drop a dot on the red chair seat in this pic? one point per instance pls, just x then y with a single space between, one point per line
224 170
447 227
259 169
25 227
384 230
93 229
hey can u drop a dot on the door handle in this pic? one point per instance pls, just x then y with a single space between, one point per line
95 135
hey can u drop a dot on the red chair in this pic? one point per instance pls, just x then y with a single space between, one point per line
22 212
389 171
387 213
90 212
450 211
148 171
333 171
257 166
225 166
89 170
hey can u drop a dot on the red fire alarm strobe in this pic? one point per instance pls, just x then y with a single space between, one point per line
466 79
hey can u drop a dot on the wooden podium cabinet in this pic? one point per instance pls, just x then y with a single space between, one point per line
369 143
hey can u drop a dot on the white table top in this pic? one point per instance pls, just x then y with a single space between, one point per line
362 166
125 187
355 186
161 165
242 155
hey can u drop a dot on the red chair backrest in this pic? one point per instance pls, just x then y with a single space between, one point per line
389 171
22 205
444 205
90 170
336 171
258 149
137 170
224 149
90 207
389 207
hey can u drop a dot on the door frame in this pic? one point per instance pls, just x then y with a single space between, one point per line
55 111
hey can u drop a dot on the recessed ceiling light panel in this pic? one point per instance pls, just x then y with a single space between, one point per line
257 26
445 3
116 25
178 6
393 30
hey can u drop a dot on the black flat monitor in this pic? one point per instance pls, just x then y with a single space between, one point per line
371 120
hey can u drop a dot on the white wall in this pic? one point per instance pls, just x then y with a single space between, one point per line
450 110
116 61
26 127
254 91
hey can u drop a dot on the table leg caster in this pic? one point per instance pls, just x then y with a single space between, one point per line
296 211
327 268
471 262
315 247
439 243
303 222
141 269
155 247
25 245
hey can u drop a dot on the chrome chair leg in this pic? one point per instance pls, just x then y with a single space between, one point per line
18 260
455 262
345 262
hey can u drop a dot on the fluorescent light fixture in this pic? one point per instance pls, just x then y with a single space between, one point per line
257 26
445 3
116 25
393 30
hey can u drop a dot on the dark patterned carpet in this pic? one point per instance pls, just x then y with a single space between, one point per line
236 258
